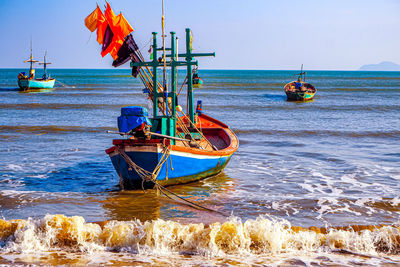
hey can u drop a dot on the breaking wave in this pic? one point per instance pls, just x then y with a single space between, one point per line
264 235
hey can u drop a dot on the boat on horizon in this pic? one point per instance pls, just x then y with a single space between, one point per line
173 147
27 82
300 90
197 80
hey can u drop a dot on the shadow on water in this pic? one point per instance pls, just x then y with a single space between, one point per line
9 89
35 91
132 204
30 91
275 97
300 101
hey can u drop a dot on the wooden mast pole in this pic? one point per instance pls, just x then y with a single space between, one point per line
164 61
190 110
155 63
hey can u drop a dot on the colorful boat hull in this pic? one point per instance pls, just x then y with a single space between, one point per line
26 84
299 96
197 82
183 165
181 168
295 93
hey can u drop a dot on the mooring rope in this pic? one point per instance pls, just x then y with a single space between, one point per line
190 203
65 85
148 176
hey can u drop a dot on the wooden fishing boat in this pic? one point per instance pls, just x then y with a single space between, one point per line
173 146
197 81
300 90
26 82
172 164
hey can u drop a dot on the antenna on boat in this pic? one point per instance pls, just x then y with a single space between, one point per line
164 61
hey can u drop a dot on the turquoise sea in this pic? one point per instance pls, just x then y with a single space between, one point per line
327 163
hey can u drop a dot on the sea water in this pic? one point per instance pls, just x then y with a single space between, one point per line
312 183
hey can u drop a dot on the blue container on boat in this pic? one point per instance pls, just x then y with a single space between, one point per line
132 117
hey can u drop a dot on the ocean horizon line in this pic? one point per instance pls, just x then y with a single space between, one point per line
16 68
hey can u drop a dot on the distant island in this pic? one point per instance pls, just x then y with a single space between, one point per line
383 66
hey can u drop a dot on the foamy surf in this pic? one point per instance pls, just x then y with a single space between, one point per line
262 236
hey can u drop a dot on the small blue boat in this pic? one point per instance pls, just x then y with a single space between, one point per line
26 82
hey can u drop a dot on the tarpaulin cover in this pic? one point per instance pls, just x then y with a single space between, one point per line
298 85
132 117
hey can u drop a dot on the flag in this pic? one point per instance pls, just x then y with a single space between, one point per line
108 36
126 28
97 20
111 29
101 28
120 28
124 53
91 20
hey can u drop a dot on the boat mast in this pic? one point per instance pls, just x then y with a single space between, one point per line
32 61
167 123
31 58
302 75
45 65
164 61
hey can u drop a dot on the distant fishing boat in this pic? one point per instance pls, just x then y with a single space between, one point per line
300 90
172 147
197 81
26 82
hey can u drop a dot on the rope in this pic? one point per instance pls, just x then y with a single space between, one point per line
200 132
148 176
144 174
182 86
188 202
143 46
65 85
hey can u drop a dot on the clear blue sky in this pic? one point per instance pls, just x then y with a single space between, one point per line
252 34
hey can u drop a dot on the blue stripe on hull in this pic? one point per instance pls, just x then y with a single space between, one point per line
185 168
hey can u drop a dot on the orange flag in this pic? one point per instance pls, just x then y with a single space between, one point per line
97 20
123 28
110 16
101 27
91 20
120 28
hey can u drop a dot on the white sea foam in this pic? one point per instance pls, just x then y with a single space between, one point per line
14 167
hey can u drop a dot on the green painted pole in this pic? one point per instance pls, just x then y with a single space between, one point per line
189 75
155 64
173 75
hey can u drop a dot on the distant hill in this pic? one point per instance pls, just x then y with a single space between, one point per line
383 66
